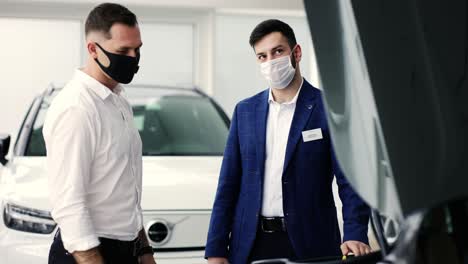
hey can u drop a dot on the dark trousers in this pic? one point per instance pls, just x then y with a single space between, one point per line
271 246
111 250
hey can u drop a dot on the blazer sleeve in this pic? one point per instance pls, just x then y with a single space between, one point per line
226 195
355 211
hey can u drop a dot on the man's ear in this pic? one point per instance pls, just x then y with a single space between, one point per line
298 53
92 49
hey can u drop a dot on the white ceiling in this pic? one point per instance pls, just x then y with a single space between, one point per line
293 5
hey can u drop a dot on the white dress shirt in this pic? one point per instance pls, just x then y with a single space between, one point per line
94 164
279 121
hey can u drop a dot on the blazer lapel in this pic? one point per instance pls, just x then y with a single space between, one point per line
304 107
261 114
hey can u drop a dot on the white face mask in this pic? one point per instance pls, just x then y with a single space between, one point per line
278 72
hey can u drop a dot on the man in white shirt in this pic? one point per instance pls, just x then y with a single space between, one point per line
94 150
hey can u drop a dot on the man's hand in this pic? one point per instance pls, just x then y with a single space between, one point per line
355 247
147 259
218 261
91 256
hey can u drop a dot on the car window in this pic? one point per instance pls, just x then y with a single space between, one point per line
182 125
36 145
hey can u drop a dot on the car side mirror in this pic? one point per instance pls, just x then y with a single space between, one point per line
4 147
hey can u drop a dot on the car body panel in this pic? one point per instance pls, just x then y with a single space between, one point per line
395 91
178 190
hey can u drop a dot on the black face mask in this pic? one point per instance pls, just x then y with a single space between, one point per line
122 68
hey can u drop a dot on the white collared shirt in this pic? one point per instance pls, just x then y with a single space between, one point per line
94 164
280 116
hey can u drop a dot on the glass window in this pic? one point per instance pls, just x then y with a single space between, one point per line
181 125
171 123
36 146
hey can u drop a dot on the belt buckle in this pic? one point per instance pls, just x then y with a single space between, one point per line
263 227
283 224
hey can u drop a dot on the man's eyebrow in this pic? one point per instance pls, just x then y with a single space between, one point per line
128 48
275 48
278 47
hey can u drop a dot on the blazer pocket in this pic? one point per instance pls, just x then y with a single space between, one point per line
312 148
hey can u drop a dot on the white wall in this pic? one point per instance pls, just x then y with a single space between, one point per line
47 45
34 52
203 45
167 54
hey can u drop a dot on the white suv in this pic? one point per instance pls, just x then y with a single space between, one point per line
184 134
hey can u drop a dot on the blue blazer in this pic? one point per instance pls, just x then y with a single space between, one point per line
308 203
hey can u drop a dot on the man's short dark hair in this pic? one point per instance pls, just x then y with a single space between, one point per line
104 16
270 26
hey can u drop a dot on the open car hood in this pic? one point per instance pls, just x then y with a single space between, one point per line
396 93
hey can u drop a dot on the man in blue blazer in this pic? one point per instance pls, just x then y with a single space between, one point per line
274 197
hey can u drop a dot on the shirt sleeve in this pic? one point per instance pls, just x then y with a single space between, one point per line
70 143
356 212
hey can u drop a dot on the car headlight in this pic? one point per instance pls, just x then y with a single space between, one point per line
28 220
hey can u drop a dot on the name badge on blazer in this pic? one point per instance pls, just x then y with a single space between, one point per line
311 135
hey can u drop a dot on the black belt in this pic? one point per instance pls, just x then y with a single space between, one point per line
131 247
272 224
